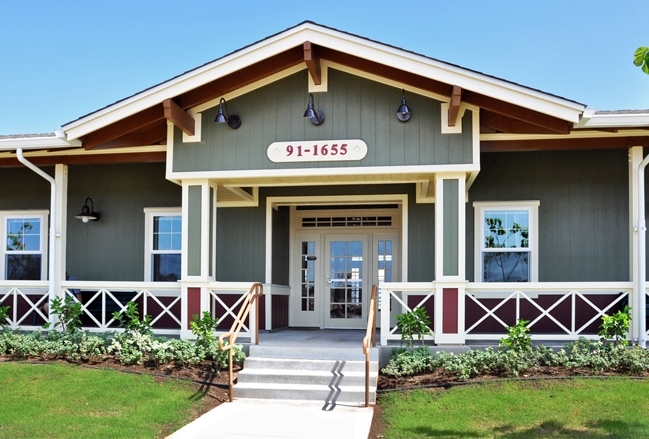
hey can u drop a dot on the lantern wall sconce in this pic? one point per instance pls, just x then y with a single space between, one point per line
404 113
233 120
316 116
88 212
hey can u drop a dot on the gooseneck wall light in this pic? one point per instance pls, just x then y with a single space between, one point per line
316 117
233 120
88 212
404 113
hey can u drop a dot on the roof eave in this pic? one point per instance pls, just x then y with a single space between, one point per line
480 83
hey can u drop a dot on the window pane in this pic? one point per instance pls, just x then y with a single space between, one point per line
166 268
506 266
506 229
23 234
167 233
23 267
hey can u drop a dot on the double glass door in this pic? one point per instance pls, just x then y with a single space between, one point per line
336 273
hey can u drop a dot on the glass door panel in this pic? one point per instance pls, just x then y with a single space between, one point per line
346 279
306 301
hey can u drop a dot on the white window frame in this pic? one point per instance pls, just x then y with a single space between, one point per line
532 207
43 216
150 213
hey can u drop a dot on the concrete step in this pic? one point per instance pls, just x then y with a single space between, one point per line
313 353
309 365
324 378
304 392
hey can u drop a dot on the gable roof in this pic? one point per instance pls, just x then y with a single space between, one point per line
139 119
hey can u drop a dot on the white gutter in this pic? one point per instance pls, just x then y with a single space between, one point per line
642 257
52 257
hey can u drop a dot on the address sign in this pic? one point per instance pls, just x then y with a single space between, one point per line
317 151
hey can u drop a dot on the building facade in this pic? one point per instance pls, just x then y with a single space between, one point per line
321 163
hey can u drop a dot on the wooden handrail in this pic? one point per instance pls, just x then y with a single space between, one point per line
370 336
256 291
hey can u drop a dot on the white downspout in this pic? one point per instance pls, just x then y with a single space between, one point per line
642 257
53 280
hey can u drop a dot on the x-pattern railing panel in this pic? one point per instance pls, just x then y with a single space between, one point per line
396 294
229 311
478 293
23 305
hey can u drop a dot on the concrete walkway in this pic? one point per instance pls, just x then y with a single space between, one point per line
267 418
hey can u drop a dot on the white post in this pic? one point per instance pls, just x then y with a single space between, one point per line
642 256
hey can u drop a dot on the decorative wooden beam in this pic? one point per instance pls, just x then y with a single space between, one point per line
505 124
312 61
563 144
176 115
454 105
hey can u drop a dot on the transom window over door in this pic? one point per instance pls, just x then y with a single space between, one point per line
164 245
506 241
24 246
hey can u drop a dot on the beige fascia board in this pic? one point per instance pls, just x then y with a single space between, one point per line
617 120
31 143
357 46
573 135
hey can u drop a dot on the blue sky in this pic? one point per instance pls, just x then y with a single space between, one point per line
61 60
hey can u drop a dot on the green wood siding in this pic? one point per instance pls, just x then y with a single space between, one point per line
22 189
194 231
241 234
450 224
583 212
112 249
354 108
281 243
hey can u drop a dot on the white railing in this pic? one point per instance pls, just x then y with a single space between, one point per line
24 299
394 300
571 308
161 300
225 300
557 311
99 300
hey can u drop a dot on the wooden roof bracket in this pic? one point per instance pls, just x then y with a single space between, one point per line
454 105
312 61
179 117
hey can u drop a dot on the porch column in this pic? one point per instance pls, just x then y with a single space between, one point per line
450 272
635 157
198 249
61 220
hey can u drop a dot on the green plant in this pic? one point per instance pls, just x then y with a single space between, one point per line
616 326
641 58
129 319
415 322
517 337
202 328
4 316
68 313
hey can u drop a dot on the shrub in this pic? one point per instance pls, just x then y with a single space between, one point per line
129 319
68 313
202 328
616 326
517 338
415 322
4 317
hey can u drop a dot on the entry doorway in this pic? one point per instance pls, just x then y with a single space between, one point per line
333 267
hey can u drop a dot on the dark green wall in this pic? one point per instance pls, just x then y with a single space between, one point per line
583 212
281 245
241 234
354 108
22 188
112 249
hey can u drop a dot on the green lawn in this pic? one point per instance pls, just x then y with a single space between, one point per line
66 401
579 408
